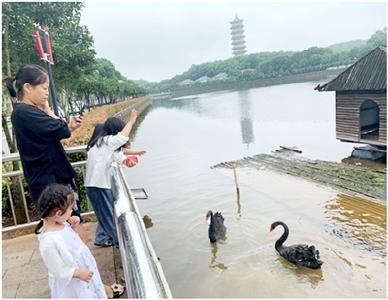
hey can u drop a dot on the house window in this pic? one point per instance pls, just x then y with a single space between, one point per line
369 120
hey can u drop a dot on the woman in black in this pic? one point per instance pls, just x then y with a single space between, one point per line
39 131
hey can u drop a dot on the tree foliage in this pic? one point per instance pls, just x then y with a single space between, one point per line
79 76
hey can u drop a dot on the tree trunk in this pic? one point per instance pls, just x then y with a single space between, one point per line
87 97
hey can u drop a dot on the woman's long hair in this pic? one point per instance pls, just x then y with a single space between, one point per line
32 74
112 126
53 198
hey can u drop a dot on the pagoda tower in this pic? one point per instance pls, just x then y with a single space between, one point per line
238 37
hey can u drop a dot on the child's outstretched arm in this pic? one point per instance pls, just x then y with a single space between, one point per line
131 120
128 151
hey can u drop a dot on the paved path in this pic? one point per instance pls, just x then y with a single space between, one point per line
24 274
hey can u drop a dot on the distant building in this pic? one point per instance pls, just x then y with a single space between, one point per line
338 67
238 37
186 82
220 76
203 79
361 100
247 70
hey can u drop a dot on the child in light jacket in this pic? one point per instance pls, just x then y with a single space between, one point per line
105 147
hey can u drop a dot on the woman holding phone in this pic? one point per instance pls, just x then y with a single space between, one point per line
38 134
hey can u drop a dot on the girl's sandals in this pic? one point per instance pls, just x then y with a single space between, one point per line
118 290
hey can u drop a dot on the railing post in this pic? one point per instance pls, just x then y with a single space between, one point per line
11 202
18 196
87 198
16 192
24 199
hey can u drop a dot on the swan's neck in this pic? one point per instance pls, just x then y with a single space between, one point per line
211 220
282 239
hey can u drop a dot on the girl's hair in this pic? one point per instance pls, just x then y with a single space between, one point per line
53 198
32 74
95 135
112 126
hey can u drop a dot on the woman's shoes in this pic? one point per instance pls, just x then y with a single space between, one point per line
118 290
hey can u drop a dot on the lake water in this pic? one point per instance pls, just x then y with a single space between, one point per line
184 137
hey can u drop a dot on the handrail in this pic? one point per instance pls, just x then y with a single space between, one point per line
15 157
143 273
144 277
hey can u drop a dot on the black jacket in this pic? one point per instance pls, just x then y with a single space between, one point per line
38 139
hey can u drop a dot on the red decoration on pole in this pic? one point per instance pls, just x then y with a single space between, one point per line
38 43
48 43
43 45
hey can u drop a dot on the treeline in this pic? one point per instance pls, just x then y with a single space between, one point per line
80 78
272 64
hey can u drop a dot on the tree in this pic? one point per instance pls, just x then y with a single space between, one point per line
379 38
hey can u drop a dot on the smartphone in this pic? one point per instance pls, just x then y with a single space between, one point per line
82 110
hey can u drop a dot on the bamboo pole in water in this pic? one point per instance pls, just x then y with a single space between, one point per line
234 166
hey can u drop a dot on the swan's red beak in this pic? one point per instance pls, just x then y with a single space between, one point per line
270 229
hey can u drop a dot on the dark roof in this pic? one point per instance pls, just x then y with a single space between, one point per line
368 73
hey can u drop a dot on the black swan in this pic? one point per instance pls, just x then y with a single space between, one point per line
301 255
217 228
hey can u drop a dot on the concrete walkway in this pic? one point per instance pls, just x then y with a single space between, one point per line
25 276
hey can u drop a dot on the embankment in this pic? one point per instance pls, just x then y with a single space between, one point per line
100 114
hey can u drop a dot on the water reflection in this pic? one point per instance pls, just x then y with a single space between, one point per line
138 123
238 205
247 132
213 260
185 104
342 257
358 221
312 276
195 105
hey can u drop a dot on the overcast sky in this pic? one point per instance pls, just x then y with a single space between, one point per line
155 40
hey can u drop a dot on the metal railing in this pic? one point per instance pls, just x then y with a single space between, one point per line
15 157
144 277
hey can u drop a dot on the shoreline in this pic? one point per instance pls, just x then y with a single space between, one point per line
324 75
101 113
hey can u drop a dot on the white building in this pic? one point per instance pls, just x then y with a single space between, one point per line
247 70
186 82
203 79
220 76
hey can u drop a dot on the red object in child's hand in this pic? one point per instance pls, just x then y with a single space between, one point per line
130 160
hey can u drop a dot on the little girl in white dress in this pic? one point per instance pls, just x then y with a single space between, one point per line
72 269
